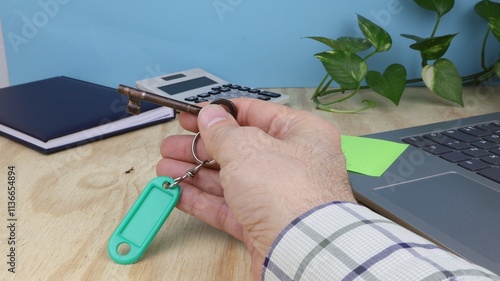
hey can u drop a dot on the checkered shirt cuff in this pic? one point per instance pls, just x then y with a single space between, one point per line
345 241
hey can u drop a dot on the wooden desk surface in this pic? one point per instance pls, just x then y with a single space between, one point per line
69 203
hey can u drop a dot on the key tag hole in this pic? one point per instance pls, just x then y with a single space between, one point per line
123 249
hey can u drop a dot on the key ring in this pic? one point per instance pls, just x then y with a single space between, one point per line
229 106
191 172
195 154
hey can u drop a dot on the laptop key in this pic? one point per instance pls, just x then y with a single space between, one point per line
474 131
492 173
437 149
487 127
455 156
437 137
418 141
455 134
474 165
482 144
491 159
475 152
457 145
493 138
495 151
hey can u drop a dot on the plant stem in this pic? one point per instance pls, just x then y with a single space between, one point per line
328 84
369 55
317 91
322 90
483 50
342 99
323 107
416 80
436 26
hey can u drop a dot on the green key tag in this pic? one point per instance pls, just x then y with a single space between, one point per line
143 221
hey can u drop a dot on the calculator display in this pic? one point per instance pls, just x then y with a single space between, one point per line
180 87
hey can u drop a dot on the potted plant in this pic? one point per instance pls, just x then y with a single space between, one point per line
345 65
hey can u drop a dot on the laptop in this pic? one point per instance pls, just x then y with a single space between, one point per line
445 186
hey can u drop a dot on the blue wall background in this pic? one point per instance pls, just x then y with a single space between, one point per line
257 43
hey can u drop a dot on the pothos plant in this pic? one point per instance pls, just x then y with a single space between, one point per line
345 65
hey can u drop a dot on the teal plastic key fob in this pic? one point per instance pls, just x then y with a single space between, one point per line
143 221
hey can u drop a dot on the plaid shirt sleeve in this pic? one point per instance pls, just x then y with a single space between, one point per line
345 241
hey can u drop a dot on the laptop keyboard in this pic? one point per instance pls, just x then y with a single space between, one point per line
475 148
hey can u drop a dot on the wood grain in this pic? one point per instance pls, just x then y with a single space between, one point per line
70 202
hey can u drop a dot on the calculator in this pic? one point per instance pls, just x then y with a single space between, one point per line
197 85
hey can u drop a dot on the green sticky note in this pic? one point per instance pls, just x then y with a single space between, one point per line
370 156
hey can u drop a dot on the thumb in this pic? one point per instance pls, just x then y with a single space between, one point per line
215 125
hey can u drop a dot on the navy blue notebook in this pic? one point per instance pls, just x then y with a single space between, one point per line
59 113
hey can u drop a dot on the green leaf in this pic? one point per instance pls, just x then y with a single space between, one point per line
348 44
444 80
391 84
354 45
328 41
347 69
490 11
495 27
413 37
439 6
376 35
487 9
433 48
497 69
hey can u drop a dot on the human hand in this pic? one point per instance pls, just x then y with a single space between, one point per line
274 164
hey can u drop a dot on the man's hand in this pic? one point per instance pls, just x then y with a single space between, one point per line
274 164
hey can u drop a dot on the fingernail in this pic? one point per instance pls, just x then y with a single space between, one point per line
211 114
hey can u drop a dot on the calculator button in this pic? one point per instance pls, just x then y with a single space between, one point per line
227 85
191 98
214 92
236 87
245 89
263 98
198 100
204 95
270 94
225 89
254 91
216 88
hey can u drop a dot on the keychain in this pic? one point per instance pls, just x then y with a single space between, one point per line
153 206
146 216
